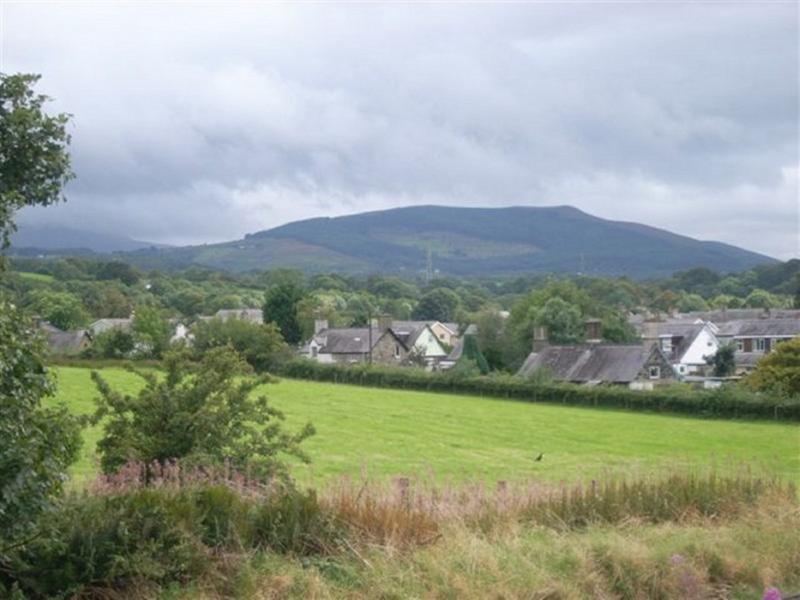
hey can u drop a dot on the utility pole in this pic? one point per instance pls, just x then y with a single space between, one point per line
369 334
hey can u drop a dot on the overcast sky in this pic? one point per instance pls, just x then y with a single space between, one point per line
200 122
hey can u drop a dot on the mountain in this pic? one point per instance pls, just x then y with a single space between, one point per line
463 242
55 239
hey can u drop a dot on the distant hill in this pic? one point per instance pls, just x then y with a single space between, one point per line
464 242
55 239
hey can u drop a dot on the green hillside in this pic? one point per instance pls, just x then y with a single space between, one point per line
462 241
449 437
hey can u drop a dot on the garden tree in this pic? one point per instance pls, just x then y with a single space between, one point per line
215 302
114 343
723 361
104 301
34 161
319 305
691 302
188 301
779 371
280 307
617 330
439 304
665 301
151 331
562 321
61 309
472 353
360 308
202 414
490 325
391 287
120 271
761 299
260 344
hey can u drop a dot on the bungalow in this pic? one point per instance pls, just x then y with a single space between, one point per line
633 365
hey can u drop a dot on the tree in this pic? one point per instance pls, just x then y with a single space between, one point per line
260 344
200 414
562 320
691 302
280 307
490 325
723 361
38 444
120 271
778 371
439 304
151 331
473 354
61 309
34 160
761 299
114 343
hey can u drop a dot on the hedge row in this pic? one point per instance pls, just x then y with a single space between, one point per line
726 402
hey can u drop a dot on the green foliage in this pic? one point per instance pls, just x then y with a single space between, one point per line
34 161
473 354
280 307
38 444
723 362
114 343
761 299
61 309
692 302
151 331
779 371
155 536
726 402
561 320
439 304
202 413
490 337
120 271
260 344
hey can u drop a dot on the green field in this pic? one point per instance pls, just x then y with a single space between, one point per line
386 433
43 277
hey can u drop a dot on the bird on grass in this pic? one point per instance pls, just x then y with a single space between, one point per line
539 458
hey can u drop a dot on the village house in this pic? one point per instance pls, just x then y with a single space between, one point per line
633 365
64 343
103 325
753 338
686 345
388 343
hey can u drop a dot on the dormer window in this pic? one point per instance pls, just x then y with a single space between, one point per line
655 372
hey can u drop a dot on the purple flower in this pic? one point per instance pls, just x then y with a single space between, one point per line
771 593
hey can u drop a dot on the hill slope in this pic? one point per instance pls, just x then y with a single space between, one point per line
463 241
55 239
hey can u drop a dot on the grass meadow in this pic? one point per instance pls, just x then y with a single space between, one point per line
384 433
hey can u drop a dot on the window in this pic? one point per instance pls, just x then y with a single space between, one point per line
314 351
397 350
761 344
681 369
666 344
655 372
740 345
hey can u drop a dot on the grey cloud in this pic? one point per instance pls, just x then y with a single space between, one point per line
204 122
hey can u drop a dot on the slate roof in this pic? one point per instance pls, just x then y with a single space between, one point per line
102 325
585 363
254 315
736 314
66 342
350 340
760 328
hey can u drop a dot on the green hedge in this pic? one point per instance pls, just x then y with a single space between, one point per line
727 402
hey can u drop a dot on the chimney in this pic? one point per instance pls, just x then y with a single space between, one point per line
320 324
539 338
384 322
592 329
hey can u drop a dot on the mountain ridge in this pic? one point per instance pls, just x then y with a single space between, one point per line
462 241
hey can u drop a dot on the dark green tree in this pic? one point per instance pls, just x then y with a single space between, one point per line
34 160
280 307
260 344
723 362
439 304
202 414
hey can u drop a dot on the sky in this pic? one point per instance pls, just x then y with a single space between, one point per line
198 122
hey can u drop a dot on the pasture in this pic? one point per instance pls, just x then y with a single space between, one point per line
384 433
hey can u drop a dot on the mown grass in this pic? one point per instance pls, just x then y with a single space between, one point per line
42 277
385 433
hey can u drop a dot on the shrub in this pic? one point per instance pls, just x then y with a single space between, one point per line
260 344
200 413
725 402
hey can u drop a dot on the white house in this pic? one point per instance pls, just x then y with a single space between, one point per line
686 345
